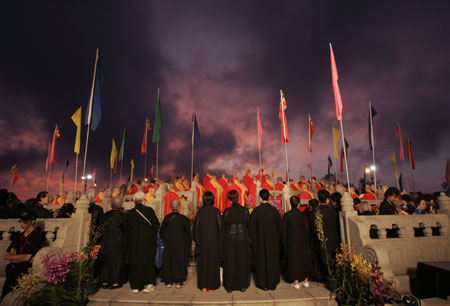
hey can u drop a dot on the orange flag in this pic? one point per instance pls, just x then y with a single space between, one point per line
259 131
144 139
398 133
311 132
51 151
409 153
337 93
282 116
15 173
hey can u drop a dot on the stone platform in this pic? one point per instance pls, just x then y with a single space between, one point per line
189 294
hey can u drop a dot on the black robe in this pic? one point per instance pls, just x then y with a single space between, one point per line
265 228
295 238
141 246
176 236
208 235
320 271
112 255
236 248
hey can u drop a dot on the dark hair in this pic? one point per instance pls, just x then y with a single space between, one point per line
418 200
208 198
294 200
391 191
313 203
336 197
264 194
67 208
138 182
41 195
323 196
233 196
314 178
406 198
356 201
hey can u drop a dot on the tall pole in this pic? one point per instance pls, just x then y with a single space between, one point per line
406 173
90 115
192 150
48 176
374 170
285 144
157 153
345 155
145 155
309 147
76 173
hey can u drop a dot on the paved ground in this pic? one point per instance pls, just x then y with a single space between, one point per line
191 295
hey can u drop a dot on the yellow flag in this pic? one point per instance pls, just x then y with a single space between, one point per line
395 166
76 118
132 168
113 154
336 135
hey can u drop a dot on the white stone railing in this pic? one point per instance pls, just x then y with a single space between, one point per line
399 254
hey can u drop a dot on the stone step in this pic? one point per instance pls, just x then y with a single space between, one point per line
189 294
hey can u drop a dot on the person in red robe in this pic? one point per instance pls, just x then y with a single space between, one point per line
306 194
150 185
171 195
369 195
178 185
186 184
261 176
279 185
223 181
252 191
267 183
206 179
231 186
304 182
294 185
217 190
133 189
247 178
353 194
200 191
314 181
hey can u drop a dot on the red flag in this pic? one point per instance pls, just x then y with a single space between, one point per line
15 173
51 150
144 139
282 116
398 133
337 93
152 171
311 132
409 153
259 131
447 172
342 159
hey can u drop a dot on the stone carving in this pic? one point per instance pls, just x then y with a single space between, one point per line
369 254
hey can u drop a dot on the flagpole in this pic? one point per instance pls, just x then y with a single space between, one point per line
192 150
157 153
406 173
345 155
373 147
309 147
285 145
48 176
411 164
76 172
259 148
89 116
145 155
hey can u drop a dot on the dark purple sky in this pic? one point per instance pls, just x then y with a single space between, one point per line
224 59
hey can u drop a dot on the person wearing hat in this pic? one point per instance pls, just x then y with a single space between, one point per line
21 251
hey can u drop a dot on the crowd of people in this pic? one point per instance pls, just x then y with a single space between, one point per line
229 230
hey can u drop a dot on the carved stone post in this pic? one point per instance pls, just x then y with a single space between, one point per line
444 204
83 218
380 194
347 211
107 200
339 188
258 189
194 194
70 197
159 200
287 193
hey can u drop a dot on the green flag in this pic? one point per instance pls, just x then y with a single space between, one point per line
122 146
157 124
346 146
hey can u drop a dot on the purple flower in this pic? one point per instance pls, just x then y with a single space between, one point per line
56 269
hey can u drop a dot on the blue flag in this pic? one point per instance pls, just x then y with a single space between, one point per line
330 163
400 183
374 113
65 169
195 131
96 110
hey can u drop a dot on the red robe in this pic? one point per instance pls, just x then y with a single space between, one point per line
171 195
306 195
147 188
369 195
318 186
308 186
295 186
354 195
200 191
302 208
261 177
252 192
133 190
247 180
233 186
279 186
223 182
206 180
218 197
266 185
186 186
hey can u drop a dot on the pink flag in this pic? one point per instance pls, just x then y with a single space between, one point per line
337 93
259 131
282 117
398 132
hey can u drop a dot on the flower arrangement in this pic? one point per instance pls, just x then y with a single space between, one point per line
323 242
359 283
69 278
26 284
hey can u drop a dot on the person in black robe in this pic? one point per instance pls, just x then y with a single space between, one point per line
387 207
21 251
66 211
95 210
142 225
39 209
208 235
320 271
176 236
265 229
236 247
295 238
112 255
